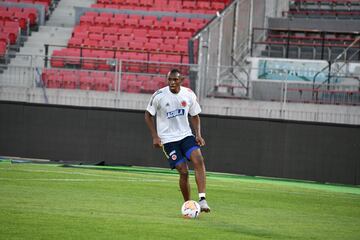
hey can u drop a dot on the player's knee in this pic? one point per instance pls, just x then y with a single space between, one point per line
198 160
184 173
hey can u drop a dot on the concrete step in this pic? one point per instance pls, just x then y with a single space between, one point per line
64 14
35 45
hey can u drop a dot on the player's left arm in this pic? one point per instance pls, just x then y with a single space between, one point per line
195 122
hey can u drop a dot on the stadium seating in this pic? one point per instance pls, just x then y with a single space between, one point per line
17 21
147 45
136 37
308 44
184 6
324 9
48 5
25 16
102 81
3 47
10 31
304 34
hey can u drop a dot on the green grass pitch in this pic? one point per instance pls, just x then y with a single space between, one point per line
47 201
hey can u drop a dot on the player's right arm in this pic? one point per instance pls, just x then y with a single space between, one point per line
149 119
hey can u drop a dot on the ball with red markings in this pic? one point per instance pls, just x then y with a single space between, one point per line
190 209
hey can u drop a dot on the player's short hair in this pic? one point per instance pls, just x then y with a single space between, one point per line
173 71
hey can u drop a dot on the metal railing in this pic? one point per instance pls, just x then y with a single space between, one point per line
306 44
280 87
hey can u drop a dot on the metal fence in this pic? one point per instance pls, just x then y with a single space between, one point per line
226 41
280 92
263 80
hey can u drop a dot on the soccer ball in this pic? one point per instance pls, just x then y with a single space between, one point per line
190 209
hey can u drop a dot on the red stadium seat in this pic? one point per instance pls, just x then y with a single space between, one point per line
96 29
105 56
180 49
136 45
156 40
203 5
150 86
218 5
110 30
87 20
109 15
151 46
103 20
125 31
96 36
192 27
73 55
146 3
131 22
155 33
184 35
189 4
169 34
159 81
140 32
54 80
86 82
133 86
75 42
32 14
146 23
92 14
171 41
57 59
3 48
83 35
70 80
89 61
121 44
108 44
109 37
90 43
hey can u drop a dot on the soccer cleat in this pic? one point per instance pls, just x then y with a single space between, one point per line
204 206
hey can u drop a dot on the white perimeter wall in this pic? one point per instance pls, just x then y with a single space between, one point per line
225 107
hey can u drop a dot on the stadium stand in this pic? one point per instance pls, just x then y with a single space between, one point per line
110 48
198 6
324 9
317 30
329 29
138 41
101 81
18 19
49 5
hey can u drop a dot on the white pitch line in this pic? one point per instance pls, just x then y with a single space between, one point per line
47 171
82 180
112 178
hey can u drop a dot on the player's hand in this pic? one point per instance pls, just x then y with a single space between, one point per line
157 142
200 141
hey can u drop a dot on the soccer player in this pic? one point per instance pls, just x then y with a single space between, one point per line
171 105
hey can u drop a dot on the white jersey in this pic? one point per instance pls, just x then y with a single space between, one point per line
171 110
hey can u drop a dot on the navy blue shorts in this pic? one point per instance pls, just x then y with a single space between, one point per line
178 152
